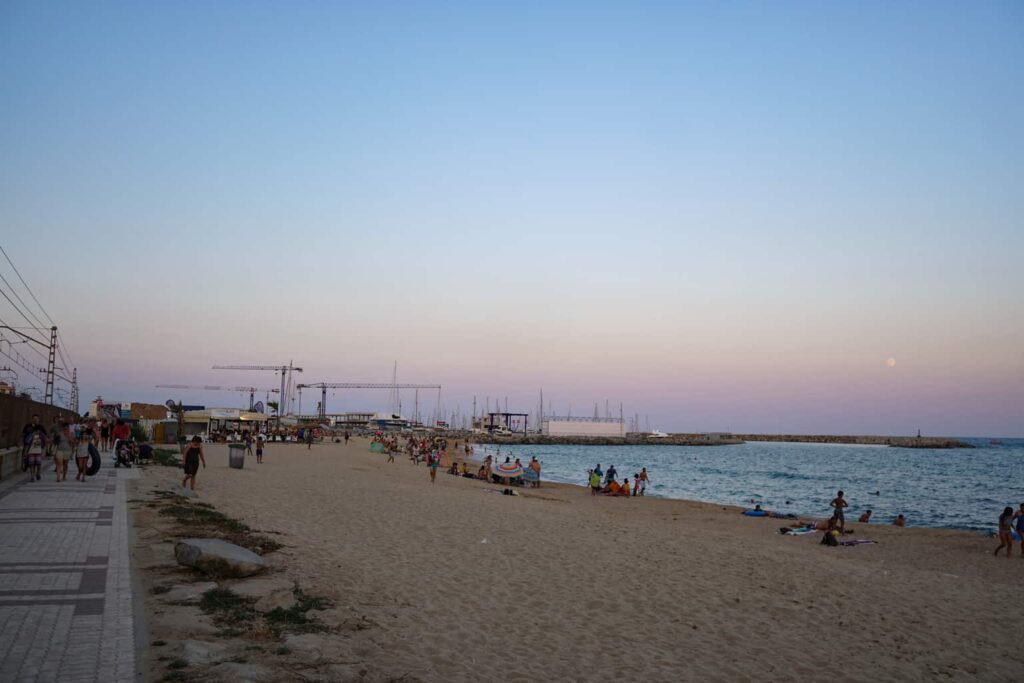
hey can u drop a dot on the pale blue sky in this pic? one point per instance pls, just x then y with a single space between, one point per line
724 215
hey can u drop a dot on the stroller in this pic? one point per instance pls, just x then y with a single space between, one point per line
124 453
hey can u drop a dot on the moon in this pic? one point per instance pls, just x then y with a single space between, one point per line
891 362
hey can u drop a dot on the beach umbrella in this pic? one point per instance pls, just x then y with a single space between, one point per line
508 470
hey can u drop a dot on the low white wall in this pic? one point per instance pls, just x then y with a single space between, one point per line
573 428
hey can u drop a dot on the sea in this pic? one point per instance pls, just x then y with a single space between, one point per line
963 488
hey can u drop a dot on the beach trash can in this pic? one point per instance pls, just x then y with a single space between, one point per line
236 455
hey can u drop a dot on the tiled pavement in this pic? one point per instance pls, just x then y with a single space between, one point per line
65 581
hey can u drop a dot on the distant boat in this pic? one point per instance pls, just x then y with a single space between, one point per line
657 434
995 442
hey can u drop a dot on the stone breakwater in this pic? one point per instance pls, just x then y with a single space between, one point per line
722 440
895 441
628 440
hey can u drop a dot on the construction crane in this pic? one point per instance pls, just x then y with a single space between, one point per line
324 386
286 375
206 387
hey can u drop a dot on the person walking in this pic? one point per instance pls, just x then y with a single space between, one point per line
193 456
1006 531
33 439
62 450
86 437
433 460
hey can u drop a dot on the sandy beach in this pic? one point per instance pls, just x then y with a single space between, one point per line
455 582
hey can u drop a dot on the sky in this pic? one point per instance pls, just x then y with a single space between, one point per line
724 216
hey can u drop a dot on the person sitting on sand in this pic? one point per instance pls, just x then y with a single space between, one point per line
624 490
612 488
482 473
899 521
865 518
1005 531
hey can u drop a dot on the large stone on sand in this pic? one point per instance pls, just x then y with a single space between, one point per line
218 558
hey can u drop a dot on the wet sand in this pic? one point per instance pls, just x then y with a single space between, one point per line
461 583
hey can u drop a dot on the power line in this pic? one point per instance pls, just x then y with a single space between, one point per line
15 293
18 310
27 288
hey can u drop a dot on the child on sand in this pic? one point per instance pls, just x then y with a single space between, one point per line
1005 531
839 503
433 460
900 521
193 456
865 518
259 449
636 483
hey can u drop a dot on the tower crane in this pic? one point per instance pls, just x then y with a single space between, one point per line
286 374
324 386
206 387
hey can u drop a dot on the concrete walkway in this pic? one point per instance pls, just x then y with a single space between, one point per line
65 581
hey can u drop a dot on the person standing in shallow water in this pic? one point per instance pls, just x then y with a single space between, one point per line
193 456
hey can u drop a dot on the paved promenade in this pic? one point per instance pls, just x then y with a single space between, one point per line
65 583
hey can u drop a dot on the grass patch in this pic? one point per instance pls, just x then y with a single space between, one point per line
227 607
194 515
202 517
165 457
297 618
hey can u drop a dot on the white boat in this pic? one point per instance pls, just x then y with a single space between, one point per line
657 434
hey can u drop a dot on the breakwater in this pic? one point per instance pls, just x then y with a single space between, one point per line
720 440
895 441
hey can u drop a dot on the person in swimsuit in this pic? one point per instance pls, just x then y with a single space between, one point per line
259 449
644 480
62 451
193 456
86 436
1019 521
248 443
1005 531
535 466
433 460
900 521
595 482
839 503
865 518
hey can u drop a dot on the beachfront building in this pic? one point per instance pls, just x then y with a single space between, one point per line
210 420
583 426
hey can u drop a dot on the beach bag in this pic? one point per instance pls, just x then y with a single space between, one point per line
829 539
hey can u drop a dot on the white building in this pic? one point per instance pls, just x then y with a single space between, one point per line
583 426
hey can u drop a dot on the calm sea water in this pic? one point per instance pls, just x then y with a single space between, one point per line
960 488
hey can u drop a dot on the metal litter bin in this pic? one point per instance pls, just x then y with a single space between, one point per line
236 455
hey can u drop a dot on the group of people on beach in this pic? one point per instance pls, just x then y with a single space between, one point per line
66 439
606 483
1011 522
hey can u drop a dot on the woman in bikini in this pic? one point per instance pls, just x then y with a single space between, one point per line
1005 531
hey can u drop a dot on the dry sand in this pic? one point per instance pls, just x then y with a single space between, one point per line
460 583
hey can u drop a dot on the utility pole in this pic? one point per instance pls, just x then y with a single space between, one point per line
49 366
74 389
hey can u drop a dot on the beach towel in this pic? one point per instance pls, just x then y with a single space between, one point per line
856 541
798 532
